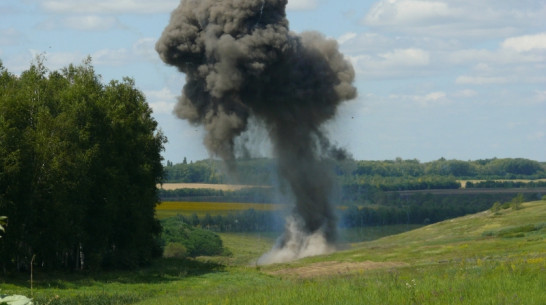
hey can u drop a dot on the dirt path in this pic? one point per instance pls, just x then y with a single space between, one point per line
334 268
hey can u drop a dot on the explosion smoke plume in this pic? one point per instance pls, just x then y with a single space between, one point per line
241 61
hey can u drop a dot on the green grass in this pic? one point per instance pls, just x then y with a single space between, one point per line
458 284
486 258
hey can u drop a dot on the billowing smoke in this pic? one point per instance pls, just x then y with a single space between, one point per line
241 61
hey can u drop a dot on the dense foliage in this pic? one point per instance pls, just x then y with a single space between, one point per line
254 195
249 171
380 209
389 174
422 208
178 232
374 191
79 164
244 221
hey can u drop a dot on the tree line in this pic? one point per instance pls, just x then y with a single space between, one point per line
422 208
244 221
79 164
386 209
252 194
392 173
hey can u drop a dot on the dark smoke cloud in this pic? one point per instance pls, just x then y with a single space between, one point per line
241 61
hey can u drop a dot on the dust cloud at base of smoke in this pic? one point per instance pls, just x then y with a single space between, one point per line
295 244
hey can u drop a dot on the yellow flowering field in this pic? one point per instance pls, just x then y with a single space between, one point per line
171 208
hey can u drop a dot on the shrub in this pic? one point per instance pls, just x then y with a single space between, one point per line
175 250
203 242
496 206
517 201
196 241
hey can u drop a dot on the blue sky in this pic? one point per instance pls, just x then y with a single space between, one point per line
461 79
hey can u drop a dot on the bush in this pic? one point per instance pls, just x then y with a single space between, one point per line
175 250
496 206
517 202
196 241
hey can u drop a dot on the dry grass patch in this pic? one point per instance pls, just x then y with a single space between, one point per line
331 268
221 187
464 182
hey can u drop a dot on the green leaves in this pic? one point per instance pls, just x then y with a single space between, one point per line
81 153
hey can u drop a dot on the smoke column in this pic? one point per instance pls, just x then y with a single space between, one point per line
241 61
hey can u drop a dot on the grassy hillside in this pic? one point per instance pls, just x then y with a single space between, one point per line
505 234
486 258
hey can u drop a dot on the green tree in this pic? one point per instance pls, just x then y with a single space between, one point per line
517 202
175 250
84 154
197 241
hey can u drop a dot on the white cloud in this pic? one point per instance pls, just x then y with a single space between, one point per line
431 99
164 94
112 57
162 107
424 100
10 37
537 136
526 43
468 56
465 18
90 22
407 12
145 47
57 60
406 57
434 96
539 96
465 93
481 80
395 63
301 5
141 49
79 23
161 101
368 42
346 37
109 6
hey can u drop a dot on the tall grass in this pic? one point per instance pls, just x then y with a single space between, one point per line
453 262
476 282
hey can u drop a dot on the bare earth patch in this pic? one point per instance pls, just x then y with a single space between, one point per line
335 268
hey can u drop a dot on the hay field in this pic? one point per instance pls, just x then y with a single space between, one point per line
222 187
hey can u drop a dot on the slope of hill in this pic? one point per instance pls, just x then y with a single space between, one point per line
489 235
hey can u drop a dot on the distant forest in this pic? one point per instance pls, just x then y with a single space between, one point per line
389 174
369 193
